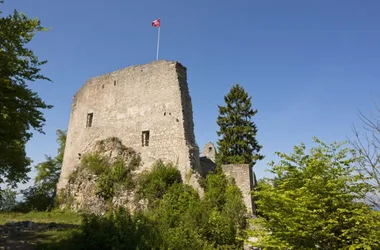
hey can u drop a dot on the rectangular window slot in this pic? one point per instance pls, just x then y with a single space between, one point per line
89 120
145 138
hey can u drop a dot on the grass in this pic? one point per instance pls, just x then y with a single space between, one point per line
56 216
65 226
62 239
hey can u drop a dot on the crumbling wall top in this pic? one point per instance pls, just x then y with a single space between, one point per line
209 151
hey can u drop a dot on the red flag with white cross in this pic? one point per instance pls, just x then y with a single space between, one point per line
156 23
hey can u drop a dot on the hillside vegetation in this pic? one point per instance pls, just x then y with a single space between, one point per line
327 197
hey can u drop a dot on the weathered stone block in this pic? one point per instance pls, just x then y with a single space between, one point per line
243 176
147 106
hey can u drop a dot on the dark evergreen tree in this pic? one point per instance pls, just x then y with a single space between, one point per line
237 143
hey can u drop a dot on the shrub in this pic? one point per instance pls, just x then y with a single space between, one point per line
7 199
118 230
227 216
37 198
112 176
178 218
95 163
314 200
154 184
185 221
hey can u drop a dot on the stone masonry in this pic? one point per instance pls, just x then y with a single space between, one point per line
241 173
147 106
209 151
244 179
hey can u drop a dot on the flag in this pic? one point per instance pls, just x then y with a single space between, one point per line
156 23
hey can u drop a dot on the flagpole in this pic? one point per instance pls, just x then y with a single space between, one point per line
158 42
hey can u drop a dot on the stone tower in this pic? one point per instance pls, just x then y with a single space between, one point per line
209 151
147 106
242 174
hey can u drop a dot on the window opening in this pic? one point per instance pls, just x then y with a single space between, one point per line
145 138
89 120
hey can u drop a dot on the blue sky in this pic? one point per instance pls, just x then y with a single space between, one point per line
308 65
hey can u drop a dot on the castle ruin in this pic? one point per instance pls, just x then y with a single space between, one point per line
148 107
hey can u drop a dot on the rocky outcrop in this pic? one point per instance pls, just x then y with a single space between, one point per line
82 191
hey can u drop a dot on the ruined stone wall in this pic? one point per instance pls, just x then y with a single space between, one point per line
243 176
153 97
209 151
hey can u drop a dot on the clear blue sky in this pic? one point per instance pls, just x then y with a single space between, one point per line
308 65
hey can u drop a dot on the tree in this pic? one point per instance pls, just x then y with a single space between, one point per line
7 199
41 195
367 146
48 172
20 107
314 201
238 144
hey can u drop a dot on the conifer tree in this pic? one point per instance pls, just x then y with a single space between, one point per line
237 143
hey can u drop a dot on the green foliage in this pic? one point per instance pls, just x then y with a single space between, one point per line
20 107
223 196
95 163
42 194
118 230
61 139
238 143
314 201
57 216
63 201
35 198
185 221
178 199
112 176
180 219
48 174
7 199
234 208
69 238
222 231
215 190
153 185
49 227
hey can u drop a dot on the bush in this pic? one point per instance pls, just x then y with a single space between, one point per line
118 230
227 219
185 221
37 198
177 217
95 163
112 176
7 199
154 184
314 201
